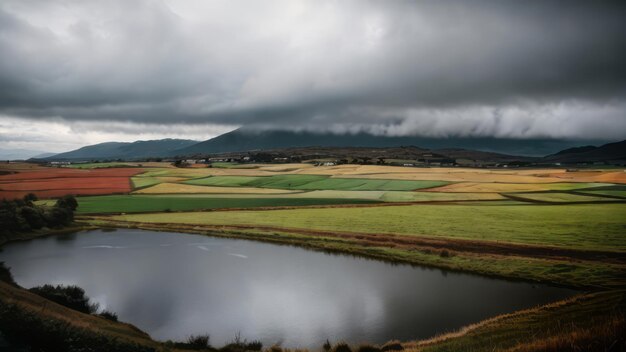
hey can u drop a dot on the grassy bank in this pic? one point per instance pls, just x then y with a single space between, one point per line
585 226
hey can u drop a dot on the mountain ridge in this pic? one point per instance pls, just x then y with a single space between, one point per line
240 140
125 150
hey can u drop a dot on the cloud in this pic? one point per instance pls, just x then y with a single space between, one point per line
501 68
58 135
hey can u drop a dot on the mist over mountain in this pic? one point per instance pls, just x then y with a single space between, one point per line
125 150
245 140
21 154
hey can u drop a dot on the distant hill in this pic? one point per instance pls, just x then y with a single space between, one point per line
611 152
43 155
125 150
243 140
19 154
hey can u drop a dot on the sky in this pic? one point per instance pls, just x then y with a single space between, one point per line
74 73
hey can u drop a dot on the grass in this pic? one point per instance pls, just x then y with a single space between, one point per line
437 197
584 323
179 188
101 165
584 226
490 187
314 182
153 203
560 197
613 193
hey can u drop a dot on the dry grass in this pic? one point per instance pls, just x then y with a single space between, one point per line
482 187
605 335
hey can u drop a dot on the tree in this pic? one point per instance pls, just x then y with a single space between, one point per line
67 202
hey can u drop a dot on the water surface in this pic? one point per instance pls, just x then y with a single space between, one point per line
172 285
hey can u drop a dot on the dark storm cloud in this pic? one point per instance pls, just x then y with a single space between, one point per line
514 68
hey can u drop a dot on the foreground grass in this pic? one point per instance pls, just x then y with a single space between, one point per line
593 322
584 226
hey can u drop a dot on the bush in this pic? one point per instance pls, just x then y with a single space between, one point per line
368 348
72 297
67 202
26 329
108 315
276 348
5 274
240 345
327 346
342 347
198 342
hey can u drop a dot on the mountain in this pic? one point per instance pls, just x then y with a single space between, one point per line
125 150
19 154
244 140
611 152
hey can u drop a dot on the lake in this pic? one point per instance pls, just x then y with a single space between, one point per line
172 285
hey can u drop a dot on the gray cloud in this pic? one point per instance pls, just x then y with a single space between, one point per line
497 68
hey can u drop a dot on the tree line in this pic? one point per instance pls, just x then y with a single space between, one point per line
23 215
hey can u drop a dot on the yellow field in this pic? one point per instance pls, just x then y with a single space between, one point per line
475 187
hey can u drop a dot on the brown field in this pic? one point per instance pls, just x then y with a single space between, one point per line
56 182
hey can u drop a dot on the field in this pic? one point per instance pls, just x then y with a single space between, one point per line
598 227
141 203
542 225
56 182
315 182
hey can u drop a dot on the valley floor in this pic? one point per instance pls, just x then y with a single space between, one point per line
551 225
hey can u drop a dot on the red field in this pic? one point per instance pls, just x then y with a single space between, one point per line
56 182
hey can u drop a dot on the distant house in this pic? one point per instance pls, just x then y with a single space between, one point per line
329 163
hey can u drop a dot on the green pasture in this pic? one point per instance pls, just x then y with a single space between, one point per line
140 182
612 193
561 197
582 226
315 182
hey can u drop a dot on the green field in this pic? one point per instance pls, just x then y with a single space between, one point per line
315 182
613 193
140 182
585 226
150 203
561 197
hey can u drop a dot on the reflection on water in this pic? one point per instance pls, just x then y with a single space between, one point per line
172 285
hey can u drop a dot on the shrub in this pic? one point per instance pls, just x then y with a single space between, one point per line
327 346
5 274
368 348
67 202
276 348
342 347
26 329
69 296
198 342
108 315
